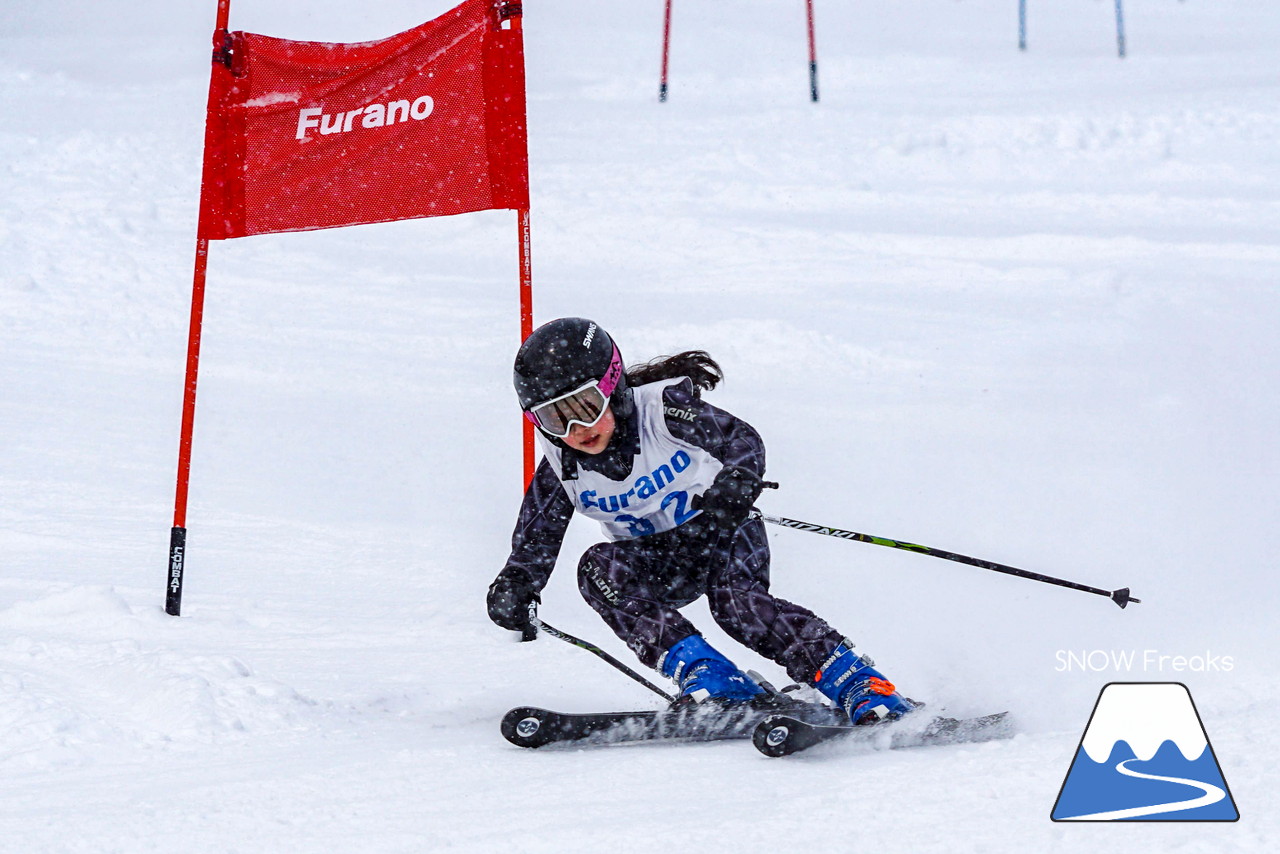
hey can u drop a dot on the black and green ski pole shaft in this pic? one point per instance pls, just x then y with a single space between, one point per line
536 625
1121 597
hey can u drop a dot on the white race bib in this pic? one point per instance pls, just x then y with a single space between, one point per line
665 476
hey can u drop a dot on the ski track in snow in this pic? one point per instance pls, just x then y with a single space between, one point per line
1020 306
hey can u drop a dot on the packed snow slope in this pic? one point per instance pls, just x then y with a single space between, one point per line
1021 306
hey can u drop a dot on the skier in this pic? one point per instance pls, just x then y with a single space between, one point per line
671 479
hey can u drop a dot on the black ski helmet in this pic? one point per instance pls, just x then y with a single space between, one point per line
564 355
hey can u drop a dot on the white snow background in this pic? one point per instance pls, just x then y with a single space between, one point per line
1021 306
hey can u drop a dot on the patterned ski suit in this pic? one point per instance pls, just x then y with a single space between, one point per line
661 556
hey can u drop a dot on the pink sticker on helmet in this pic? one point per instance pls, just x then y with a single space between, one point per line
610 379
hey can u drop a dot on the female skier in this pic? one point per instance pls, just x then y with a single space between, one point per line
671 479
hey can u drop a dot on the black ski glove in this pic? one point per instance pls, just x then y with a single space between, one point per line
727 502
512 601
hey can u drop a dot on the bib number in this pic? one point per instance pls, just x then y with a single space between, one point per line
682 512
638 527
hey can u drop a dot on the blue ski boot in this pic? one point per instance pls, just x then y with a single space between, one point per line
704 674
849 681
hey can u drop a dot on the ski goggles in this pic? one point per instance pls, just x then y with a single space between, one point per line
584 405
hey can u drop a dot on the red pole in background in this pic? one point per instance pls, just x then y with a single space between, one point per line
526 306
666 51
813 57
178 533
526 328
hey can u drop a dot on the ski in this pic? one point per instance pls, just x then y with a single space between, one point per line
529 726
782 735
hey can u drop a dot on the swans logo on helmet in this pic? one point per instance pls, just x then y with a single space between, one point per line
591 334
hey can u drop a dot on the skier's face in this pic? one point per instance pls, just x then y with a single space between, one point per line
593 439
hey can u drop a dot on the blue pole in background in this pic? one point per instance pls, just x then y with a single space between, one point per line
1120 28
1022 24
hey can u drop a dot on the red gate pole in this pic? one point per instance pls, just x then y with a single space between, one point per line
813 57
526 305
526 327
666 51
178 533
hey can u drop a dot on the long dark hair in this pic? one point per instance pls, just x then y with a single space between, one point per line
697 365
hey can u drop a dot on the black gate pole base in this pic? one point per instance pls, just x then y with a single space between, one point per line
177 555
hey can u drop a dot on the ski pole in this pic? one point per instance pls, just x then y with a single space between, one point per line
537 625
1121 597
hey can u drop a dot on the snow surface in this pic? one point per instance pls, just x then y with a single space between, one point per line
1019 306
